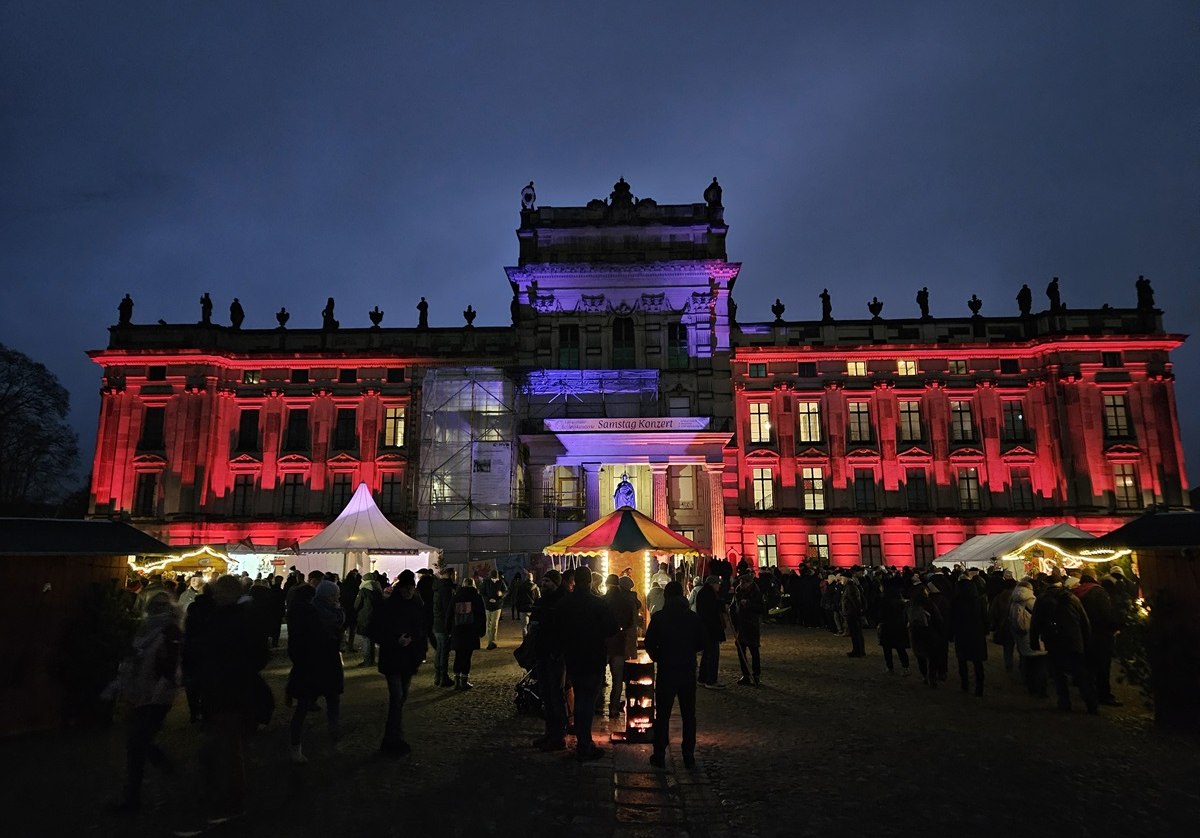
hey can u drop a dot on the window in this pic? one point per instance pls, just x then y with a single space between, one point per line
347 376
906 366
1111 359
395 375
818 548
968 490
251 376
624 344
870 549
812 489
958 368
864 489
1116 416
923 550
768 550
1021 486
916 490
1014 421
860 422
243 495
690 535
683 488
297 430
247 439
145 494
808 421
679 406
391 494
962 421
345 430
299 376
1125 486
393 427
764 489
910 421
758 371
806 369
293 492
1010 366
760 422
339 491
156 373
856 368
568 346
677 346
152 429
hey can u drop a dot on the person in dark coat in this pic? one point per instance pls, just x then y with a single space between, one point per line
939 587
585 622
1106 619
711 612
1061 624
998 604
893 627
524 595
314 646
673 638
425 584
349 595
622 645
746 611
444 590
465 624
494 592
854 611
549 667
925 632
968 629
399 629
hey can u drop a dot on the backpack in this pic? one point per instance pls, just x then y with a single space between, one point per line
1021 620
463 614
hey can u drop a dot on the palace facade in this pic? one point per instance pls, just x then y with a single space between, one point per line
840 441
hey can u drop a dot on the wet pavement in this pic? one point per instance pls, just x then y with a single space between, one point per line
827 746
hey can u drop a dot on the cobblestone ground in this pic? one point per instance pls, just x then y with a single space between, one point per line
827 746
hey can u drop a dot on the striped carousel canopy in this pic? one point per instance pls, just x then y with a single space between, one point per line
624 531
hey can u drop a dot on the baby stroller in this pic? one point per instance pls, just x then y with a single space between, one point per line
528 697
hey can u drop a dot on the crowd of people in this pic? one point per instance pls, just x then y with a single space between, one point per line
211 639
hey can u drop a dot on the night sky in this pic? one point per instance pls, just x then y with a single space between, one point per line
375 151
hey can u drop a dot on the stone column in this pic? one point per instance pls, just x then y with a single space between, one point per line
658 472
591 491
716 507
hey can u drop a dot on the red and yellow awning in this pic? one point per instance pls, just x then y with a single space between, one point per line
624 531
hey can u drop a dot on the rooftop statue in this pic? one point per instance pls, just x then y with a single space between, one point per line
206 309
712 195
422 314
327 321
528 197
621 196
1145 294
923 302
125 311
826 307
376 317
236 315
1052 294
1025 300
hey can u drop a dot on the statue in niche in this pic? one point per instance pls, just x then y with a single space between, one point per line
206 309
1025 300
422 314
376 317
712 195
236 315
826 307
923 302
875 307
282 316
125 311
1145 294
528 197
469 316
327 321
1052 294
778 310
974 304
624 495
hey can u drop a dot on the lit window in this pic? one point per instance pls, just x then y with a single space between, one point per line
1125 486
818 548
906 366
760 422
860 422
910 421
1116 416
393 427
758 371
870 548
962 421
808 421
864 489
1021 486
812 486
856 368
968 490
1014 421
251 376
768 550
958 368
764 489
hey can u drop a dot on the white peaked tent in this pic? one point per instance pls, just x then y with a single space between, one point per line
362 534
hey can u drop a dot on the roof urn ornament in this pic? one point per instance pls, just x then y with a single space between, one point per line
469 315
778 310
376 317
875 307
974 304
282 316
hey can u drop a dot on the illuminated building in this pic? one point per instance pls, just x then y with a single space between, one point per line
867 440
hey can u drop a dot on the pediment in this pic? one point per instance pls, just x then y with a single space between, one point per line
150 460
762 454
862 454
294 460
1019 453
812 453
392 459
245 460
966 454
343 460
914 452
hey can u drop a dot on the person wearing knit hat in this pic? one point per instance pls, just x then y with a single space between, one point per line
399 629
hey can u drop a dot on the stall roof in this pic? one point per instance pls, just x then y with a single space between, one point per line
361 526
57 537
981 549
1156 529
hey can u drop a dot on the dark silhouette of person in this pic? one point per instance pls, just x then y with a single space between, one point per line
1025 300
236 314
327 321
923 302
826 307
206 309
125 311
1053 295
422 314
